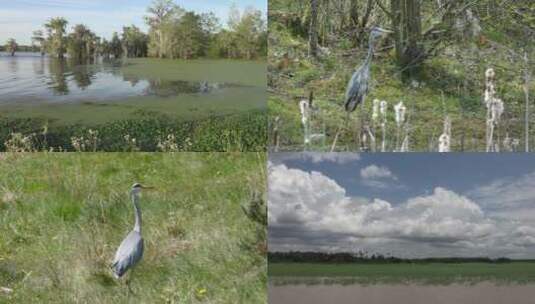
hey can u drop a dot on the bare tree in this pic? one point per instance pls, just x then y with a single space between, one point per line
313 29
407 26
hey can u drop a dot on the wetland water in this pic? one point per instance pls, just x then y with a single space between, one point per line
485 292
208 105
35 86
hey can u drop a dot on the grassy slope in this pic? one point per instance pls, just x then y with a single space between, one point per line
451 86
62 217
518 272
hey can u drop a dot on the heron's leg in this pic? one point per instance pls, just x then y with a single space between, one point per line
364 128
128 281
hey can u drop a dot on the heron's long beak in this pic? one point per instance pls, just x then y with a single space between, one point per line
385 31
148 188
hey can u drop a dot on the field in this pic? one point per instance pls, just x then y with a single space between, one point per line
62 217
433 273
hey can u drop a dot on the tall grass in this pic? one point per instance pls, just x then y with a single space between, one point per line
62 217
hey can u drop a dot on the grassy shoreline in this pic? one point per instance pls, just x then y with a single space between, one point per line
236 132
426 273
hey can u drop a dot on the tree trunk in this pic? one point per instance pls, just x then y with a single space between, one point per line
407 24
313 30
526 93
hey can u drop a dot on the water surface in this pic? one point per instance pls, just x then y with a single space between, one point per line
66 92
485 292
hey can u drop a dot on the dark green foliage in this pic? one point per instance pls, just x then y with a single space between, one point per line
239 132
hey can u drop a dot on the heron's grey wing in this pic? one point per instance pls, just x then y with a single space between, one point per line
128 254
357 88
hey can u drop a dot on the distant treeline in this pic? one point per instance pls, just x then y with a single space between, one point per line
366 258
21 48
173 33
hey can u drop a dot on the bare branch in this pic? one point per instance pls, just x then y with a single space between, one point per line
384 9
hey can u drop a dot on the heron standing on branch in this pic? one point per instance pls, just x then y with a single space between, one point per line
130 251
358 88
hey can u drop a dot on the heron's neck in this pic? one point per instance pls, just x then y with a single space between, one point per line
370 49
137 212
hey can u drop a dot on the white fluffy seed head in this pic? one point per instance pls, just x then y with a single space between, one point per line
383 108
490 74
400 110
444 143
375 112
496 110
304 108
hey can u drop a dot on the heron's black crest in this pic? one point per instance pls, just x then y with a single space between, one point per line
136 185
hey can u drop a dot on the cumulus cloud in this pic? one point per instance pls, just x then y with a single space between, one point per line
376 172
310 211
377 177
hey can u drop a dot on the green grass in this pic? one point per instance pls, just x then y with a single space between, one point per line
432 273
62 216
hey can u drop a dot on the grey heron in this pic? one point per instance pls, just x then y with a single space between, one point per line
130 251
357 88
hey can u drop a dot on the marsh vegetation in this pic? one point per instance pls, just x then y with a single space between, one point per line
435 63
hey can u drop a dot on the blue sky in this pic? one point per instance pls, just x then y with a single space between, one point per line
410 204
19 18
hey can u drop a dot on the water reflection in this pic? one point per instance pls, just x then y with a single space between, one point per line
13 66
39 66
58 78
31 77
83 75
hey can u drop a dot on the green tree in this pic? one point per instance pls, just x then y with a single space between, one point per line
163 14
11 46
189 37
115 46
134 42
39 38
249 30
81 43
56 41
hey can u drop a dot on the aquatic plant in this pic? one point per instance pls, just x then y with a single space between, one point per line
304 107
86 144
400 110
237 132
495 108
168 144
444 141
20 143
383 110
131 144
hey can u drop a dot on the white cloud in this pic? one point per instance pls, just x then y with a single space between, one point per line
376 172
377 177
310 210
